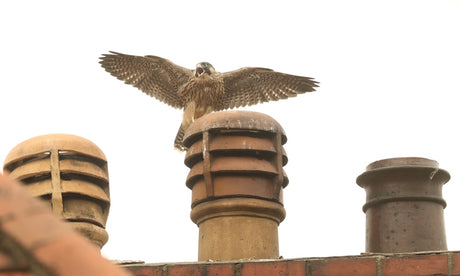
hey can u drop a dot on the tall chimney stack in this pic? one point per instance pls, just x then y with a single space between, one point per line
236 176
404 206
70 174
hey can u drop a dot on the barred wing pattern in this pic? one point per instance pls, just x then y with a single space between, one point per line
252 85
155 76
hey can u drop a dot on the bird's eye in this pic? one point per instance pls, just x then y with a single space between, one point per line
200 71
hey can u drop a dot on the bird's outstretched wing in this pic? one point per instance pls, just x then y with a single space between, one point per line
252 85
155 76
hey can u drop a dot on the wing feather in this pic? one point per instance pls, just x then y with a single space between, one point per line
155 76
253 85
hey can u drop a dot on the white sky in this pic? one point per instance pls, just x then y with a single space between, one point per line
389 73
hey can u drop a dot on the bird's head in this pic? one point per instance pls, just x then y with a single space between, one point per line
204 68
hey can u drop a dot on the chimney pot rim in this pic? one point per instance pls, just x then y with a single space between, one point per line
399 162
371 174
234 119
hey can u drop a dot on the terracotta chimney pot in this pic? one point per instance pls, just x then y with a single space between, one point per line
70 174
236 176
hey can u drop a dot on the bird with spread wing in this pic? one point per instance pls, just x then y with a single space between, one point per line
203 90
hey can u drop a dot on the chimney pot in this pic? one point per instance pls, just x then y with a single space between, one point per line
404 205
70 174
236 176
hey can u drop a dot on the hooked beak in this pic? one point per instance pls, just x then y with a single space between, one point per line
199 71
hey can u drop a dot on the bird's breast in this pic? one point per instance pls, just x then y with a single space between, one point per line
204 91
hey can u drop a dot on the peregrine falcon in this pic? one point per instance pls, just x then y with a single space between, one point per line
203 90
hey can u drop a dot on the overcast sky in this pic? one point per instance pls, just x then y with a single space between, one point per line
390 80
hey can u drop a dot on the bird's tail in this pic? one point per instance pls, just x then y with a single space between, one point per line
179 141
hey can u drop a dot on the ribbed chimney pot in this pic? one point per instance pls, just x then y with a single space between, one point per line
236 176
404 206
70 174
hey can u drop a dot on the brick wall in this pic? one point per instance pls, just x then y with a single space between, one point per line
414 264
